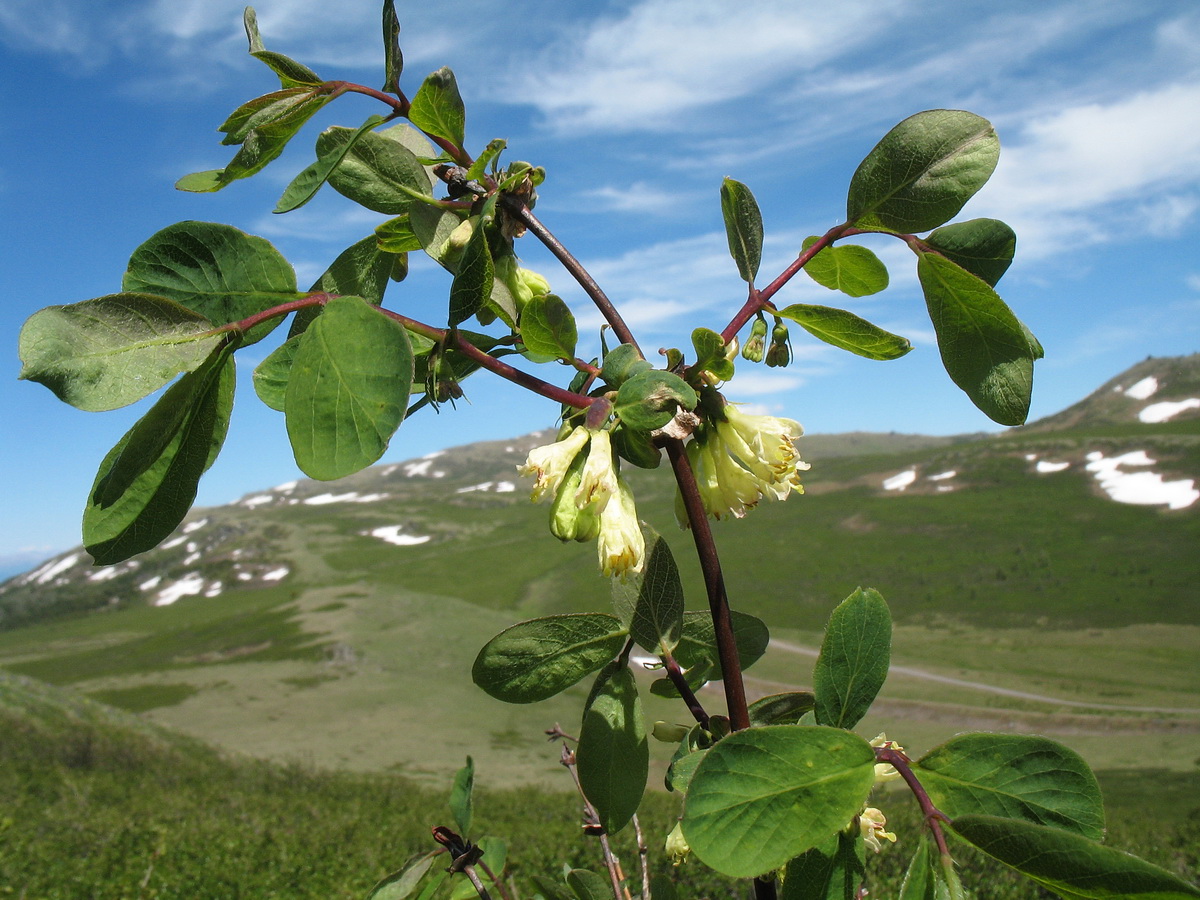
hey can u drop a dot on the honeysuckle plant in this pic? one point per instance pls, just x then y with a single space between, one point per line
776 791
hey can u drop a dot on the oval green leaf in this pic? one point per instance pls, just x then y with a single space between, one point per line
651 398
923 172
613 756
215 270
374 170
539 658
765 795
832 871
651 602
271 375
548 327
361 270
984 247
305 185
438 109
984 347
147 482
472 284
109 352
743 227
781 709
1068 864
698 640
348 388
849 268
1015 776
854 658
847 331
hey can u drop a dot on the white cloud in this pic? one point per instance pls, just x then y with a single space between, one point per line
663 60
1077 176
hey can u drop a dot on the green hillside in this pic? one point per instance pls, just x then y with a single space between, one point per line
316 622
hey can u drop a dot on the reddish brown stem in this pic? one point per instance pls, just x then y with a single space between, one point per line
522 212
714 583
933 816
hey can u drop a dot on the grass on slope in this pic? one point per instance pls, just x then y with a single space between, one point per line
98 804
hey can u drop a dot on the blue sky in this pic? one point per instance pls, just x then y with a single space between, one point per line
637 109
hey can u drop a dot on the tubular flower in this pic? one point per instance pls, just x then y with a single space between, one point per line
621 546
885 771
549 464
743 458
599 480
872 823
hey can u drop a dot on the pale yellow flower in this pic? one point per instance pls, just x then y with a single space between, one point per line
549 464
621 547
599 480
872 824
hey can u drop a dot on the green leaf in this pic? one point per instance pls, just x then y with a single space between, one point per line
290 72
109 352
263 127
622 363
375 170
539 658
851 269
433 227
686 758
1015 776
832 871
397 235
710 354
781 709
613 756
437 108
845 330
402 883
478 168
854 658
984 247
983 346
393 59
698 641
147 482
472 285
461 797
637 447
271 375
361 270
765 795
269 109
548 328
923 172
348 389
305 185
215 270
588 885
927 878
743 227
651 603
1068 864
651 398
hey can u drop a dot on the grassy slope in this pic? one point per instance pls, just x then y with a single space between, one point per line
100 804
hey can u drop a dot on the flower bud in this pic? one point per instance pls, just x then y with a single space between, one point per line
452 250
669 733
779 354
569 521
756 344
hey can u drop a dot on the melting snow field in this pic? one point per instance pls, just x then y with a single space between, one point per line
1169 409
392 534
1141 488
901 481
496 487
352 497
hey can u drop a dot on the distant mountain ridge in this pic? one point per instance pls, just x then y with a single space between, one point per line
1155 405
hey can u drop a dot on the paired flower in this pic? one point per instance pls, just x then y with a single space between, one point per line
872 824
590 499
885 771
741 458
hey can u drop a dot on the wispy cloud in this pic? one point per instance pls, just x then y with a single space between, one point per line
1080 176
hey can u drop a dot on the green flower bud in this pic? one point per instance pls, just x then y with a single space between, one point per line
568 522
452 250
669 733
779 354
757 342
677 847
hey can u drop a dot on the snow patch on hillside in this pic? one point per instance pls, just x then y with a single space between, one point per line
351 497
1168 409
46 573
1141 488
1045 466
495 487
1144 389
900 482
393 535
